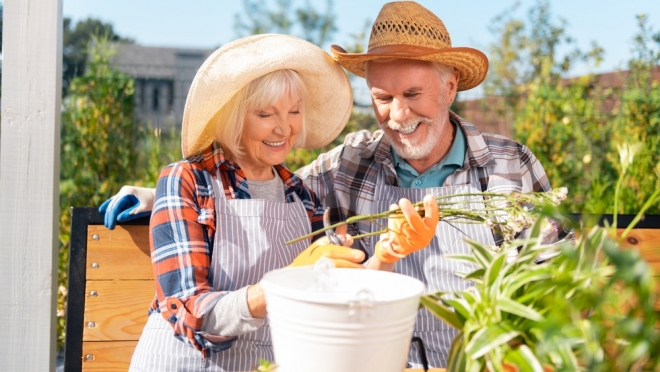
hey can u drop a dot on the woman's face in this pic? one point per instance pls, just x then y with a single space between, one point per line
269 134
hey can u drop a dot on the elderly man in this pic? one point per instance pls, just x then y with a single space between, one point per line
423 148
413 74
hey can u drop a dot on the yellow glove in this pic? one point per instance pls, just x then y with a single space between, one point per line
341 256
409 233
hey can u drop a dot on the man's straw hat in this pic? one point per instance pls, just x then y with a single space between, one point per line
408 30
233 66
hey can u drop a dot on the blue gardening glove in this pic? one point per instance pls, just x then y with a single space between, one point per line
128 204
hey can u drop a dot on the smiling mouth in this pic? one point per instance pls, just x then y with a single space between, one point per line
274 144
408 130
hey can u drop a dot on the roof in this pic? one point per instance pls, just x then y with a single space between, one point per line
157 62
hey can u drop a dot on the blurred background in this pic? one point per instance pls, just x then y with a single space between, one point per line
572 80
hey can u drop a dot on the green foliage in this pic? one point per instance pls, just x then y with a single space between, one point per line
589 308
572 125
310 24
99 151
75 41
298 158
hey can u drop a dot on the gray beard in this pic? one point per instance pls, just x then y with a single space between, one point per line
416 150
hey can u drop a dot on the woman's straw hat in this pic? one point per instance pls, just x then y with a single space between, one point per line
233 66
408 30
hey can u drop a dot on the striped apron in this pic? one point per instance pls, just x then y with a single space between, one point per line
249 242
429 265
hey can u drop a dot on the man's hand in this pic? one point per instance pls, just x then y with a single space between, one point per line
408 233
128 204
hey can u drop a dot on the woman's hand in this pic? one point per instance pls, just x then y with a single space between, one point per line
409 233
341 256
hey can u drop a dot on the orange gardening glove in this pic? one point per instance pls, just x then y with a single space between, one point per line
408 233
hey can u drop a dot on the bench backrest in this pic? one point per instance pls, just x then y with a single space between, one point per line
111 286
110 289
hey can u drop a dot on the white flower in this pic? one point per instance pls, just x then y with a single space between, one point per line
558 195
548 226
586 159
494 248
627 153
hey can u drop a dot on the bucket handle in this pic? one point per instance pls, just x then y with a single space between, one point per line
422 352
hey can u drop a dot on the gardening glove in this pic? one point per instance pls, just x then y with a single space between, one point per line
408 233
340 256
128 204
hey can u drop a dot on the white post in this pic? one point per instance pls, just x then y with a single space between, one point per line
29 182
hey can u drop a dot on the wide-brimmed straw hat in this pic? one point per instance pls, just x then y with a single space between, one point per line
408 30
230 68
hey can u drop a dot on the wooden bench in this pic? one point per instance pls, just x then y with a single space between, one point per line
110 289
111 286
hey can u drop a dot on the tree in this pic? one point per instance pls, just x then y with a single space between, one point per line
574 126
99 149
75 41
637 119
309 24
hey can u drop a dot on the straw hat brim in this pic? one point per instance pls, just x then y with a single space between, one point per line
231 67
471 64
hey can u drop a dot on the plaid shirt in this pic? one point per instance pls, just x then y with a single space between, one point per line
345 176
182 235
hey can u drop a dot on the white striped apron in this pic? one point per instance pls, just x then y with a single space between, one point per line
429 266
249 242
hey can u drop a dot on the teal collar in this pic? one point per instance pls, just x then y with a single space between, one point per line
455 156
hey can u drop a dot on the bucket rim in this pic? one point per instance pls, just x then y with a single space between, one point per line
305 295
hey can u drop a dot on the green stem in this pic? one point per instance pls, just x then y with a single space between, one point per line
649 202
616 199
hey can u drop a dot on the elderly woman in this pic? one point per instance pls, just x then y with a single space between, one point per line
222 215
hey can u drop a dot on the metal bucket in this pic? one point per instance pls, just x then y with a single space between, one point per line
341 319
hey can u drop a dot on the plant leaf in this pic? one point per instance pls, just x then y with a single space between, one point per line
456 358
488 338
441 311
476 274
512 307
460 306
531 274
467 258
481 253
494 274
523 358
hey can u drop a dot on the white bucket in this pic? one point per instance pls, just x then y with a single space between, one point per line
363 321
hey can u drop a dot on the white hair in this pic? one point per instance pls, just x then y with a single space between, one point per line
260 93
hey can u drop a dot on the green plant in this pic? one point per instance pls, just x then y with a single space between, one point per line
572 125
505 214
99 151
567 313
589 308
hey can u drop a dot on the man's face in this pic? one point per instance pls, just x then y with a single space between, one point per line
411 105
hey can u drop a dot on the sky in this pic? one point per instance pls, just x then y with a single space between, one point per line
210 23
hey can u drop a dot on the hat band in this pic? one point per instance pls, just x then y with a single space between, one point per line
403 50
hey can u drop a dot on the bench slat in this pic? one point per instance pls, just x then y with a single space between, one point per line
122 253
112 356
118 311
647 242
